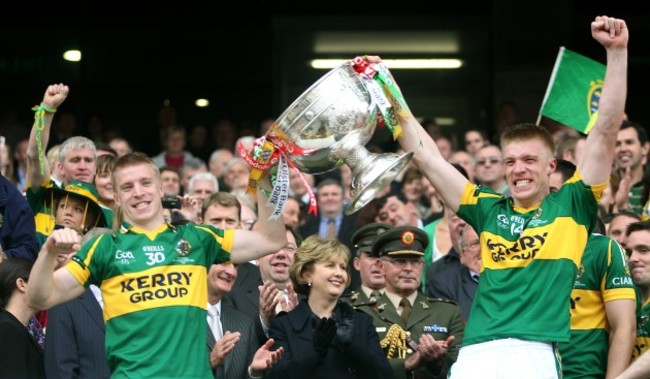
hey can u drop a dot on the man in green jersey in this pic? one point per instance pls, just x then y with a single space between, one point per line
532 242
152 276
603 301
637 245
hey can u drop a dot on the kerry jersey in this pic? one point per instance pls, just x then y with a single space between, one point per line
642 343
530 258
154 286
603 276
42 208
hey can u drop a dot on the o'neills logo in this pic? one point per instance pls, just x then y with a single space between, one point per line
156 286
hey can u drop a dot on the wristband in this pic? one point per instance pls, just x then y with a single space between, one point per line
39 126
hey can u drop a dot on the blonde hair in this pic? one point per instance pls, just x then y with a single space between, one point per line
526 132
313 250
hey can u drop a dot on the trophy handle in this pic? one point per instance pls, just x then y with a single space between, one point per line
371 173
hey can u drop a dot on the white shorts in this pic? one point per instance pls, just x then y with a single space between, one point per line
507 359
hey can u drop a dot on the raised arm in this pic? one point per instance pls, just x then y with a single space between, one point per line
54 96
46 287
270 236
445 178
596 163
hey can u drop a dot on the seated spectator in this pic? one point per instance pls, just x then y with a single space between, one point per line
121 146
174 153
459 282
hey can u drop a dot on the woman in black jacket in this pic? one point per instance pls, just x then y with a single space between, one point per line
324 337
20 356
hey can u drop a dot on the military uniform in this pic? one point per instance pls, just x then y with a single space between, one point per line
363 239
440 318
358 298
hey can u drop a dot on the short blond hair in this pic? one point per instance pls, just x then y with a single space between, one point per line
527 132
313 250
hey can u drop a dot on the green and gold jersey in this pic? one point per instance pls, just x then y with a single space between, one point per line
642 327
42 208
634 198
530 259
603 276
154 286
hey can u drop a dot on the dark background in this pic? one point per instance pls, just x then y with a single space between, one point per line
251 62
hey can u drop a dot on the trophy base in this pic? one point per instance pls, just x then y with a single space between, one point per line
382 171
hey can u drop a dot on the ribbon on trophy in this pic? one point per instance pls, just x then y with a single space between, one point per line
267 151
384 92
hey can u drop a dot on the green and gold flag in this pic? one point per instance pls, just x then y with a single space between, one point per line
574 91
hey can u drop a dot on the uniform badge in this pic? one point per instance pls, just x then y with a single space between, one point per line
183 247
435 328
424 305
381 306
408 238
354 296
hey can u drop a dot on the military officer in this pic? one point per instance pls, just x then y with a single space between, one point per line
421 335
369 266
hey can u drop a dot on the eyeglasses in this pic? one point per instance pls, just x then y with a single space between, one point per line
402 262
481 162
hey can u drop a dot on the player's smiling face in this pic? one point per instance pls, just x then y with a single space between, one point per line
528 167
138 193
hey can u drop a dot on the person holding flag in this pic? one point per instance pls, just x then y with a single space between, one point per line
532 242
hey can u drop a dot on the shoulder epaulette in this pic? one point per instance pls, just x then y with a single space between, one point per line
440 299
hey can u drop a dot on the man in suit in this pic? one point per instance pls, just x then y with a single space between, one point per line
271 276
331 221
231 342
459 283
368 265
421 335
74 347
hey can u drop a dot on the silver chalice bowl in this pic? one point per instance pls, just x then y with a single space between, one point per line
329 124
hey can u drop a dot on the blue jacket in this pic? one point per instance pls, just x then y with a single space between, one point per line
17 228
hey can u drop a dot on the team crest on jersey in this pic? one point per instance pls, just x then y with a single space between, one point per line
581 271
183 247
579 274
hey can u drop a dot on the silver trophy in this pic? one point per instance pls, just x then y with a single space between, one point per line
329 124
